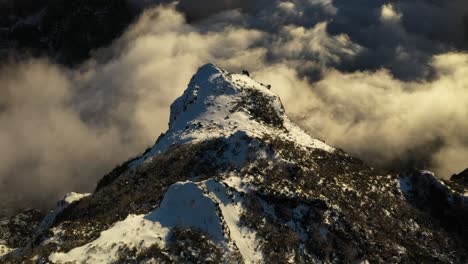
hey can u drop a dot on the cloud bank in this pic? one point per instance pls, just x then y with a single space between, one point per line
381 81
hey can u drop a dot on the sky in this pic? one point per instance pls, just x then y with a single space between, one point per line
386 81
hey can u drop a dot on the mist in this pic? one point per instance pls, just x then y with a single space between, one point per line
369 78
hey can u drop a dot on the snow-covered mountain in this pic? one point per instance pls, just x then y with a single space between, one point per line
233 180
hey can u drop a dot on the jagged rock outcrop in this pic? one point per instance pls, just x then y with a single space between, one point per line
461 178
233 180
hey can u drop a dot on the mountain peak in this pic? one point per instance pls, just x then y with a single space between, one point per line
215 95
218 103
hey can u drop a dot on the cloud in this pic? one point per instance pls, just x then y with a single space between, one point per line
63 129
389 122
365 78
45 146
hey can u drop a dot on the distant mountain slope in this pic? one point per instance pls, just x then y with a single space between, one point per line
233 180
64 30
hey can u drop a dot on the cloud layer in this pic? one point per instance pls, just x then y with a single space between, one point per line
381 81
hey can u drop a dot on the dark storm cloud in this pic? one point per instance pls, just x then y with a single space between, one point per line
403 44
385 81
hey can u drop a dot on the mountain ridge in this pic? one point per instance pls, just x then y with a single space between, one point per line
233 180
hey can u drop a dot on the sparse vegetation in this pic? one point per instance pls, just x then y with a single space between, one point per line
193 246
153 254
260 108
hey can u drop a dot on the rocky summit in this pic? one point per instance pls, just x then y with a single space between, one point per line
233 180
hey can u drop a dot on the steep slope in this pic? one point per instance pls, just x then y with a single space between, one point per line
234 180
17 230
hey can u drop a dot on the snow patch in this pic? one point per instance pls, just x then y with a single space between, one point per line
235 182
68 199
134 231
185 204
231 209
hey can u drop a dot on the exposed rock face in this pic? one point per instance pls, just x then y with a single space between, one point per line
461 178
234 180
